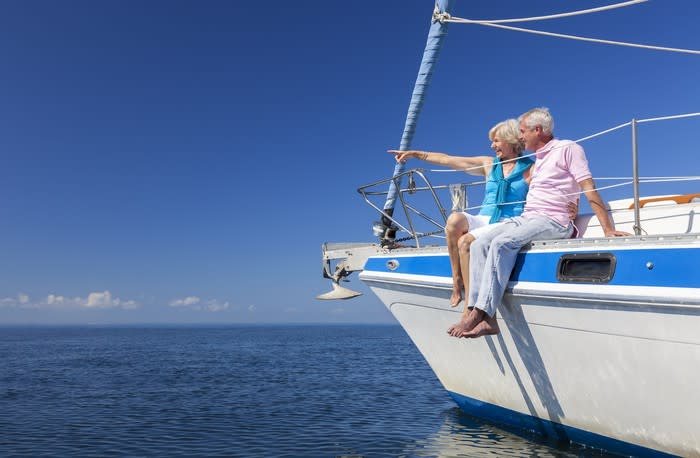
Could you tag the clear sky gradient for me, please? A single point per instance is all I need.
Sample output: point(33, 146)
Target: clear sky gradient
point(183, 161)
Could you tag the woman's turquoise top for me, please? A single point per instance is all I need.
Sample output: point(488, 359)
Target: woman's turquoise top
point(500, 190)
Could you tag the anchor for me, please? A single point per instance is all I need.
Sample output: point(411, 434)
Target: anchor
point(351, 258)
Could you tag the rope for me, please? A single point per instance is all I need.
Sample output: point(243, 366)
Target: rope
point(583, 139)
point(670, 180)
point(625, 183)
point(574, 37)
point(532, 154)
point(602, 132)
point(419, 235)
point(647, 178)
point(664, 118)
point(541, 18)
point(602, 188)
point(440, 17)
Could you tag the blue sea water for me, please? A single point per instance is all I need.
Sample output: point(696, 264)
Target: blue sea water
point(248, 391)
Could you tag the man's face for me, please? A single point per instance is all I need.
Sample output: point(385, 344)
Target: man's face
point(529, 136)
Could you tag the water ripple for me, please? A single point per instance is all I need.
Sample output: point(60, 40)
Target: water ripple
point(287, 391)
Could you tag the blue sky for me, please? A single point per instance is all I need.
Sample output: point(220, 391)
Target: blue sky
point(182, 161)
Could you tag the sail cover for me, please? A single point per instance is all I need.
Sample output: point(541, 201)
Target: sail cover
point(436, 34)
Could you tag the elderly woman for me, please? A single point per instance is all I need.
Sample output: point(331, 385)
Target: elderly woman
point(507, 179)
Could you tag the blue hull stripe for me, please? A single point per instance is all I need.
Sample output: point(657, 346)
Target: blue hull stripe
point(549, 429)
point(670, 266)
point(438, 266)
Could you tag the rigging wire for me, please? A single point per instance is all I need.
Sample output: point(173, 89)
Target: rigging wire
point(583, 139)
point(665, 118)
point(443, 17)
point(574, 37)
point(597, 188)
point(649, 179)
point(541, 18)
point(597, 134)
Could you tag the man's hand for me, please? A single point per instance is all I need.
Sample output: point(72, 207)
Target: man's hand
point(617, 234)
point(572, 208)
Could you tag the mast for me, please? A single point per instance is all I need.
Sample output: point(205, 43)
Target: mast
point(436, 34)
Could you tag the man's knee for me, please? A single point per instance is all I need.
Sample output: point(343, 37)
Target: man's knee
point(465, 242)
point(480, 245)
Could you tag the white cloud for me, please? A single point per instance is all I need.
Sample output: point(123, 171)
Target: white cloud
point(20, 300)
point(214, 305)
point(94, 300)
point(8, 302)
point(101, 300)
point(196, 303)
point(185, 301)
point(251, 308)
point(52, 299)
point(130, 305)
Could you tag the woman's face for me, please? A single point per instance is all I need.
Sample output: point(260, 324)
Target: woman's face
point(503, 149)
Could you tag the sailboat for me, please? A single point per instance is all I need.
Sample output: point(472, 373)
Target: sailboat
point(600, 337)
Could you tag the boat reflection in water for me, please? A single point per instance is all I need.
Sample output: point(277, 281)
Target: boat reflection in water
point(463, 435)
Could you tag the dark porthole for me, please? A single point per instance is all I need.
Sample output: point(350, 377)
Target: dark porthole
point(586, 268)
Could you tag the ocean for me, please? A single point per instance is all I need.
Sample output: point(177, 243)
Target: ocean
point(241, 391)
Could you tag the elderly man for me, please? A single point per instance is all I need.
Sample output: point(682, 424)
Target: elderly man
point(559, 174)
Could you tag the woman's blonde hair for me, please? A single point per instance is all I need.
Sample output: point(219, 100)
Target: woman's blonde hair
point(509, 132)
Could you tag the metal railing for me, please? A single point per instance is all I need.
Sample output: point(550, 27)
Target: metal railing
point(412, 188)
point(408, 209)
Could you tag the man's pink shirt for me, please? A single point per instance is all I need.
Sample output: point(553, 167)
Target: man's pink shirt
point(559, 167)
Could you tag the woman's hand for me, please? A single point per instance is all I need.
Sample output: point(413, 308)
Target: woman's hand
point(403, 156)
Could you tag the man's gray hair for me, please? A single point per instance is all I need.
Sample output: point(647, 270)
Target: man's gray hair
point(538, 117)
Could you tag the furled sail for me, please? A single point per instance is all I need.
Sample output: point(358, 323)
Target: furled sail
point(437, 32)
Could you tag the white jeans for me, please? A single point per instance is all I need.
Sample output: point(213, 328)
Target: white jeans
point(493, 256)
point(480, 224)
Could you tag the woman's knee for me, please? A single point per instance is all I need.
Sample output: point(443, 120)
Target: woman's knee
point(456, 223)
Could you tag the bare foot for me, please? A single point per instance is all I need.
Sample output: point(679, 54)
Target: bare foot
point(467, 323)
point(488, 326)
point(456, 296)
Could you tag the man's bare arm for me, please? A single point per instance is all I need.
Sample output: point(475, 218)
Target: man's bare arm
point(598, 207)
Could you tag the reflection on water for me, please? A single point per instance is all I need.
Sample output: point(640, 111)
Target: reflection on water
point(464, 436)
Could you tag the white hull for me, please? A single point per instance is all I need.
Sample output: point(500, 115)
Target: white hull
point(614, 366)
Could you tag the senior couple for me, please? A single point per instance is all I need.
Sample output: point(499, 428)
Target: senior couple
point(524, 201)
